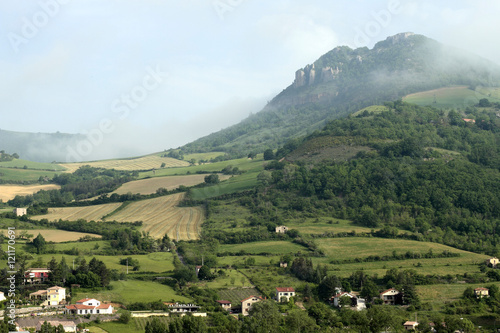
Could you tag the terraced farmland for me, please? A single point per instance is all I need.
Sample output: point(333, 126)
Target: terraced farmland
point(56, 236)
point(88, 213)
point(161, 216)
point(141, 163)
point(8, 192)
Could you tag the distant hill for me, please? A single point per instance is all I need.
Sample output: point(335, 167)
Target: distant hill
point(40, 147)
point(345, 80)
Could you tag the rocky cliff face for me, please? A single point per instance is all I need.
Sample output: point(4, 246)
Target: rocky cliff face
point(307, 76)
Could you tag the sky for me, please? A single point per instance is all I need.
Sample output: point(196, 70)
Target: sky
point(139, 77)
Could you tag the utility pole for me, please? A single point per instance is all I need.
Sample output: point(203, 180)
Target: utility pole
point(127, 265)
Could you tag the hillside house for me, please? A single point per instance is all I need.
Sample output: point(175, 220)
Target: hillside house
point(336, 299)
point(481, 292)
point(284, 294)
point(283, 264)
point(68, 325)
point(492, 262)
point(182, 308)
point(391, 296)
point(226, 305)
point(410, 325)
point(36, 275)
point(51, 297)
point(246, 304)
point(20, 211)
point(88, 306)
point(281, 229)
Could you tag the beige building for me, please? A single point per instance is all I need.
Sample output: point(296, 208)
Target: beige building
point(247, 303)
point(281, 229)
point(226, 305)
point(481, 292)
point(493, 262)
point(410, 325)
point(20, 211)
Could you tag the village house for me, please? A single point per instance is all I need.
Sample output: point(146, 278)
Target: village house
point(69, 326)
point(492, 262)
point(181, 308)
point(88, 306)
point(20, 211)
point(410, 325)
point(36, 275)
point(284, 294)
point(51, 297)
point(281, 229)
point(283, 264)
point(226, 305)
point(481, 292)
point(336, 299)
point(390, 296)
point(246, 304)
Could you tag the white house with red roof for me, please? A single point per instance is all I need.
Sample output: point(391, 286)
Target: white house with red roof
point(89, 306)
point(481, 292)
point(284, 294)
point(389, 296)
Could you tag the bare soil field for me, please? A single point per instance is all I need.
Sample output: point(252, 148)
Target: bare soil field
point(141, 163)
point(8, 192)
point(56, 236)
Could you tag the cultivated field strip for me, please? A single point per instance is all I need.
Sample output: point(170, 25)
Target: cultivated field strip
point(161, 216)
point(8, 192)
point(88, 213)
point(141, 163)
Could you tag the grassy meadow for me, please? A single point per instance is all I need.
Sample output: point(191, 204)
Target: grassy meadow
point(450, 97)
point(20, 164)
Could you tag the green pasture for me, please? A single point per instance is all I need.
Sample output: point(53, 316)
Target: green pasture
point(22, 175)
point(321, 225)
point(228, 216)
point(244, 164)
point(156, 262)
point(234, 184)
point(232, 278)
point(203, 156)
point(267, 279)
point(272, 247)
point(131, 291)
point(450, 97)
point(239, 261)
point(439, 294)
point(116, 327)
point(20, 164)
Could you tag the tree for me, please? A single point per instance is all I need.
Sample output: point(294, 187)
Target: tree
point(264, 317)
point(252, 155)
point(326, 288)
point(298, 321)
point(204, 273)
point(212, 179)
point(323, 315)
point(125, 317)
point(39, 243)
point(155, 326)
point(268, 155)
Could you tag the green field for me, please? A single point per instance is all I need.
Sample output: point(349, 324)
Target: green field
point(234, 184)
point(321, 225)
point(451, 97)
point(131, 291)
point(231, 275)
point(244, 164)
point(439, 294)
point(22, 175)
point(372, 109)
point(203, 156)
point(115, 327)
point(156, 262)
point(20, 164)
point(273, 247)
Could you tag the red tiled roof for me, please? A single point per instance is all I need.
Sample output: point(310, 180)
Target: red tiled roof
point(481, 288)
point(288, 289)
point(412, 323)
point(388, 291)
point(345, 294)
point(223, 302)
point(104, 306)
point(55, 288)
point(251, 297)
